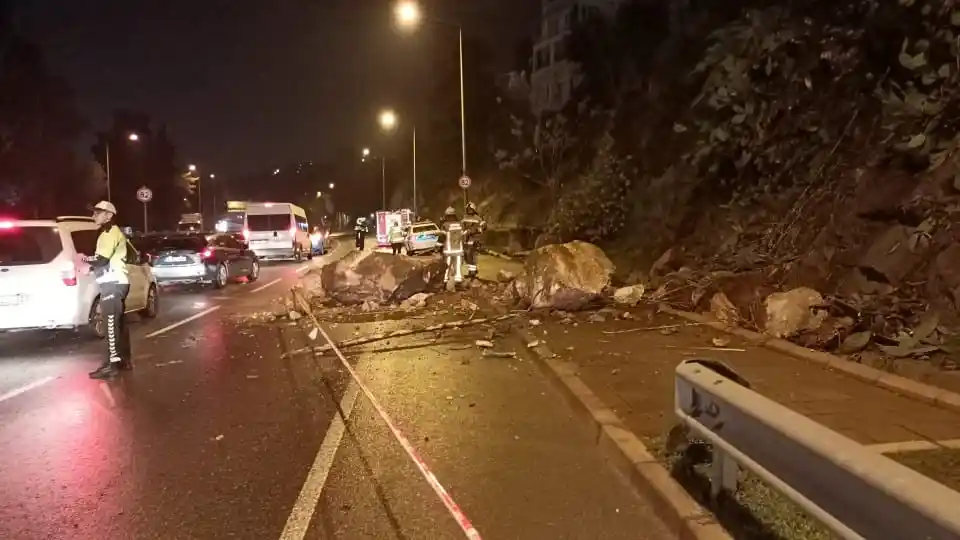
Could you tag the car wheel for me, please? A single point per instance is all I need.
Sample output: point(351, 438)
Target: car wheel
point(152, 307)
point(298, 254)
point(221, 280)
point(254, 271)
point(96, 326)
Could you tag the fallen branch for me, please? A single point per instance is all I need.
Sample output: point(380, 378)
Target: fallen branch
point(648, 328)
point(363, 340)
point(496, 254)
point(727, 349)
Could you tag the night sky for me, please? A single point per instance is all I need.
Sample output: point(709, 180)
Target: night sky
point(246, 85)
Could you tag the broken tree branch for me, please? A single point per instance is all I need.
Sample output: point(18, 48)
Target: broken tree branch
point(363, 340)
point(648, 328)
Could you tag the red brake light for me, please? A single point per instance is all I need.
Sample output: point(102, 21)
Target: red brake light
point(69, 275)
point(207, 253)
point(246, 234)
point(7, 225)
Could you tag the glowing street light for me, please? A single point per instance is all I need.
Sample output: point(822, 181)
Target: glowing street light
point(408, 14)
point(331, 185)
point(133, 137)
point(192, 168)
point(366, 152)
point(388, 119)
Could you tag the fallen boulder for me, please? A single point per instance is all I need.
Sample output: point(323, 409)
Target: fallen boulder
point(629, 295)
point(793, 312)
point(381, 278)
point(563, 276)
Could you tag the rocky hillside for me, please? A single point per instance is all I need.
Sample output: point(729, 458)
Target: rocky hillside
point(765, 146)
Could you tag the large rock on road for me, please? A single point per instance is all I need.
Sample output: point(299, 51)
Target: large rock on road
point(563, 276)
point(381, 277)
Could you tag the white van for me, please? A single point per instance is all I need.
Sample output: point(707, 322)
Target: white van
point(277, 231)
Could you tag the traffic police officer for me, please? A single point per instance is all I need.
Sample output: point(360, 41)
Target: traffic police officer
point(360, 230)
point(109, 265)
point(473, 226)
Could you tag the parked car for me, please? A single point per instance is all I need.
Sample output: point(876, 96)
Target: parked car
point(423, 237)
point(41, 286)
point(199, 259)
point(319, 240)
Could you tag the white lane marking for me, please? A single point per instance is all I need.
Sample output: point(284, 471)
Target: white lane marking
point(304, 268)
point(26, 388)
point(264, 286)
point(302, 514)
point(452, 507)
point(182, 322)
point(914, 446)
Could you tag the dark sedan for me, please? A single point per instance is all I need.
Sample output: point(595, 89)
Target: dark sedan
point(199, 259)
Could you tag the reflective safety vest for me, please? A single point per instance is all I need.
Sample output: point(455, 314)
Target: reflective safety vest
point(397, 235)
point(474, 226)
point(453, 244)
point(112, 245)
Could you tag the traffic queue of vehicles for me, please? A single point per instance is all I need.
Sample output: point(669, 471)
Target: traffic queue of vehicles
point(44, 285)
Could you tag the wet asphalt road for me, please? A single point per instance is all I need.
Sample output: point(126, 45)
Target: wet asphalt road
point(216, 434)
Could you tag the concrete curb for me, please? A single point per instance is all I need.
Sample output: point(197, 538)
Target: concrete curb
point(685, 518)
point(895, 383)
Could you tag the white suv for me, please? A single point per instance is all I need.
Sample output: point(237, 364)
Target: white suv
point(40, 287)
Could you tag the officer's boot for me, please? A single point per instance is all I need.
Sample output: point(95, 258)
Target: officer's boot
point(110, 368)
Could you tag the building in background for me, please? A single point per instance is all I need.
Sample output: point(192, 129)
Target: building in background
point(554, 76)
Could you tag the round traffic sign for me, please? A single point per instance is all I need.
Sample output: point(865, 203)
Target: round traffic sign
point(144, 194)
point(464, 182)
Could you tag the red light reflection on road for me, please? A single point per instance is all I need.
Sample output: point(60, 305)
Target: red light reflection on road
point(66, 449)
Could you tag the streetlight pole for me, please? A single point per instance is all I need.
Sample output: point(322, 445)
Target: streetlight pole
point(383, 183)
point(107, 159)
point(409, 15)
point(414, 172)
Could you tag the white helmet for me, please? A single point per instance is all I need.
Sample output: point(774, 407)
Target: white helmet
point(106, 206)
point(450, 211)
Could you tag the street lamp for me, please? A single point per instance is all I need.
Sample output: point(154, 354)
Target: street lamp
point(192, 168)
point(331, 185)
point(132, 137)
point(388, 121)
point(383, 176)
point(408, 13)
point(409, 16)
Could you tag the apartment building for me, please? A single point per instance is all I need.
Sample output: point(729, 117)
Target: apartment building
point(554, 75)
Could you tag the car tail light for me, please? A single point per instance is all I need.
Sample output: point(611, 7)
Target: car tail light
point(207, 253)
point(246, 234)
point(7, 225)
point(69, 275)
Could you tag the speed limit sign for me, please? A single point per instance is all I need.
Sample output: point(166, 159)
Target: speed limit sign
point(144, 194)
point(464, 182)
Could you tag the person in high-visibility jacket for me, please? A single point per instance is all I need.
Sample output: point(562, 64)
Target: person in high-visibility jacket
point(473, 226)
point(396, 236)
point(109, 265)
point(452, 245)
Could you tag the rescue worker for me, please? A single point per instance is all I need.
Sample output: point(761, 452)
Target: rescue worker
point(396, 237)
point(473, 228)
point(452, 245)
point(360, 230)
point(109, 265)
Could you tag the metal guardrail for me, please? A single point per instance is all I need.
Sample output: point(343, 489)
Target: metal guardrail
point(855, 492)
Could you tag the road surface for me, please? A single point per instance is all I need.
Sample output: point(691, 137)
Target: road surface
point(217, 434)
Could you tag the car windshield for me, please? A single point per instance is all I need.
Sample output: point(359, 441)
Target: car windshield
point(20, 246)
point(268, 222)
point(172, 243)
